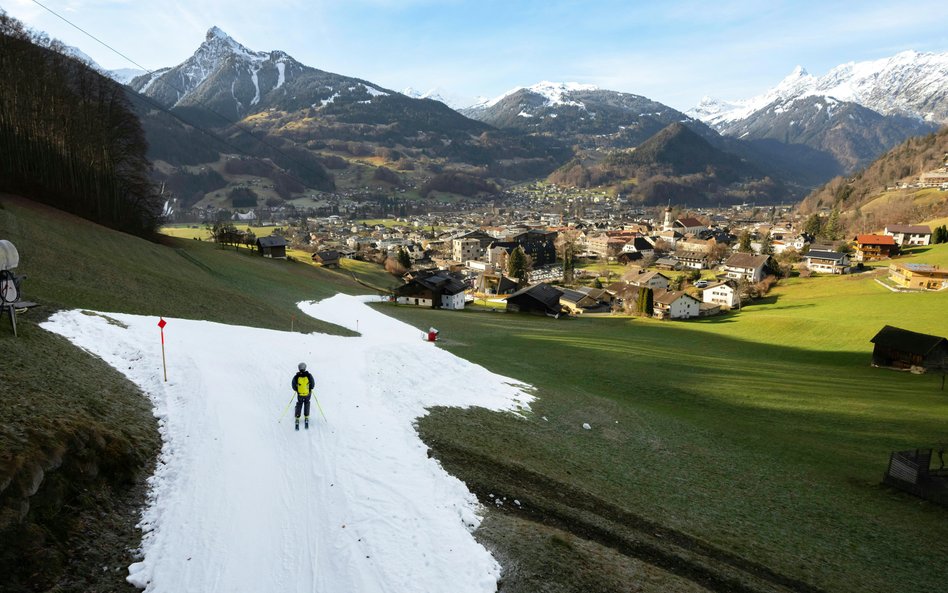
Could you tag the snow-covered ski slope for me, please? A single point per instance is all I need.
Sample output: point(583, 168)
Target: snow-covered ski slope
point(241, 502)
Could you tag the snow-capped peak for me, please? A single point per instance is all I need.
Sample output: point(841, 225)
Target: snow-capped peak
point(217, 40)
point(216, 32)
point(554, 93)
point(908, 83)
point(437, 94)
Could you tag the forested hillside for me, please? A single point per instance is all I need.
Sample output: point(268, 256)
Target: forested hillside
point(884, 191)
point(675, 164)
point(68, 136)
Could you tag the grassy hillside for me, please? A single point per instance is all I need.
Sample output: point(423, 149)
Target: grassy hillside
point(865, 194)
point(758, 438)
point(76, 438)
point(738, 453)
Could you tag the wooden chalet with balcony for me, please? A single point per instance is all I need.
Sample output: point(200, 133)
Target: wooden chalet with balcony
point(872, 247)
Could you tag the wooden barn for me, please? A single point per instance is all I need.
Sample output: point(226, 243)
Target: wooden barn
point(329, 258)
point(903, 349)
point(272, 246)
point(539, 298)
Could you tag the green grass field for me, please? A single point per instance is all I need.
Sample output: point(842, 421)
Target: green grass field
point(198, 231)
point(764, 432)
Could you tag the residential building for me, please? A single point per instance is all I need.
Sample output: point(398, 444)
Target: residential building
point(439, 290)
point(607, 245)
point(746, 266)
point(936, 178)
point(870, 247)
point(539, 245)
point(465, 249)
point(919, 276)
point(675, 304)
point(827, 262)
point(722, 293)
point(641, 277)
point(575, 301)
point(907, 234)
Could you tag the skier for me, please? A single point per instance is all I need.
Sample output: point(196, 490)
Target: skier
point(302, 385)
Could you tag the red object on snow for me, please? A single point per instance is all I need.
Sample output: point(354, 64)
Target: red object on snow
point(432, 334)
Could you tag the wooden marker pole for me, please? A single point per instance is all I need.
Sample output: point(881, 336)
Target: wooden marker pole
point(161, 324)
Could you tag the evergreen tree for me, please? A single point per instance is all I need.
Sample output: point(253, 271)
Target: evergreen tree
point(940, 235)
point(832, 229)
point(517, 266)
point(744, 242)
point(766, 245)
point(813, 225)
point(646, 302)
point(404, 259)
point(566, 249)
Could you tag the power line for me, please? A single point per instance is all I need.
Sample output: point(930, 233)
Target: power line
point(161, 107)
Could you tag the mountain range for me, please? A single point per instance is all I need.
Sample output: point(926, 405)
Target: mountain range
point(800, 133)
point(855, 112)
point(307, 120)
point(581, 114)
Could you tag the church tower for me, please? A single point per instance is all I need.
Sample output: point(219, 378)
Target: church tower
point(667, 225)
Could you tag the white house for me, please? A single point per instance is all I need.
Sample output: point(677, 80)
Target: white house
point(675, 304)
point(642, 277)
point(453, 301)
point(908, 234)
point(722, 293)
point(746, 266)
point(827, 262)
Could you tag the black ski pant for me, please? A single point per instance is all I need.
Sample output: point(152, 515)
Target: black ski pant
point(302, 403)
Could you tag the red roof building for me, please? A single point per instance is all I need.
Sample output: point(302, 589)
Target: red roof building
point(870, 247)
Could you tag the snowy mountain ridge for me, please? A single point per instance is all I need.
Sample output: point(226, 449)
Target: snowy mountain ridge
point(909, 84)
point(436, 94)
point(230, 78)
point(554, 93)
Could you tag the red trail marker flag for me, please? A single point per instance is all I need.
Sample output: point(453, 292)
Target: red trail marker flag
point(161, 325)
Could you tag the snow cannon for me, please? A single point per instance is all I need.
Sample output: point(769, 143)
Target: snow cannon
point(9, 284)
point(9, 257)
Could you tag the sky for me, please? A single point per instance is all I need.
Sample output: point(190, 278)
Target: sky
point(675, 52)
point(241, 502)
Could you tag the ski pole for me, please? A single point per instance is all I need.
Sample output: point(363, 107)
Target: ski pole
point(320, 408)
point(286, 408)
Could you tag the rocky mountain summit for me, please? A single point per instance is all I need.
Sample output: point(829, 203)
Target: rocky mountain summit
point(856, 111)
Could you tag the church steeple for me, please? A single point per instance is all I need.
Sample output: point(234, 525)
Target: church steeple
point(667, 225)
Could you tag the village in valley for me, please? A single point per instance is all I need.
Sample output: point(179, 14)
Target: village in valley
point(566, 252)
